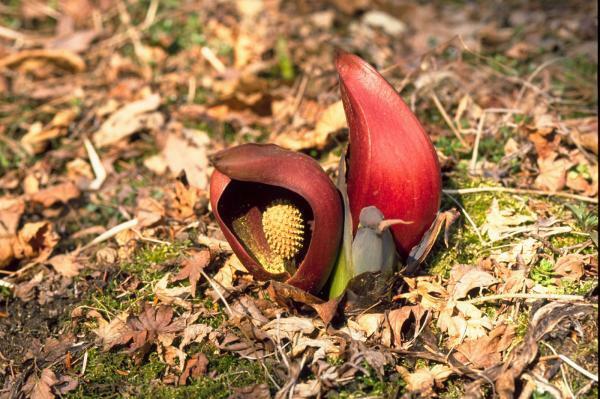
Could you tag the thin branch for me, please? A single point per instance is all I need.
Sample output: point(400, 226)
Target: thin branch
point(446, 117)
point(570, 362)
point(557, 297)
point(213, 60)
point(112, 232)
point(97, 166)
point(469, 219)
point(480, 125)
point(218, 291)
point(474, 190)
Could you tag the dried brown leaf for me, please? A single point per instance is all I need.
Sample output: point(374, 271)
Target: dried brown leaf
point(470, 280)
point(196, 366)
point(63, 192)
point(128, 120)
point(65, 384)
point(420, 251)
point(256, 391)
point(192, 266)
point(182, 200)
point(146, 329)
point(174, 295)
point(398, 319)
point(194, 333)
point(63, 58)
point(330, 121)
point(570, 266)
point(40, 387)
point(149, 211)
point(553, 173)
point(543, 322)
point(462, 320)
point(499, 223)
point(35, 240)
point(423, 380)
point(66, 264)
point(11, 210)
point(486, 351)
point(287, 295)
point(76, 42)
point(110, 333)
point(426, 292)
point(289, 327)
point(188, 153)
point(25, 291)
point(370, 323)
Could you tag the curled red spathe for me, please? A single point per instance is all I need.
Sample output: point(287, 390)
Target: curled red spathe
point(392, 162)
point(275, 166)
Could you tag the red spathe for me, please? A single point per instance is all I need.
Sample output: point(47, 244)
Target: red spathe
point(392, 162)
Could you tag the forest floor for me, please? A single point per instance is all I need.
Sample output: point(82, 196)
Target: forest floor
point(115, 280)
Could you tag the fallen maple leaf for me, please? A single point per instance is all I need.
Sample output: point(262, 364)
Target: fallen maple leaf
point(110, 333)
point(553, 173)
point(67, 264)
point(501, 223)
point(40, 387)
point(192, 266)
point(147, 328)
point(182, 201)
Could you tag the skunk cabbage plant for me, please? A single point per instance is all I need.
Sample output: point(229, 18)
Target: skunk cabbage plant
point(284, 217)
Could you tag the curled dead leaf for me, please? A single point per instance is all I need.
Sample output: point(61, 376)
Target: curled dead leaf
point(63, 193)
point(423, 380)
point(196, 366)
point(63, 58)
point(471, 280)
point(569, 266)
point(486, 351)
point(35, 240)
point(128, 120)
point(66, 264)
point(40, 387)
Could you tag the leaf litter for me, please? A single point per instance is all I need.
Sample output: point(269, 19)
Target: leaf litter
point(106, 231)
